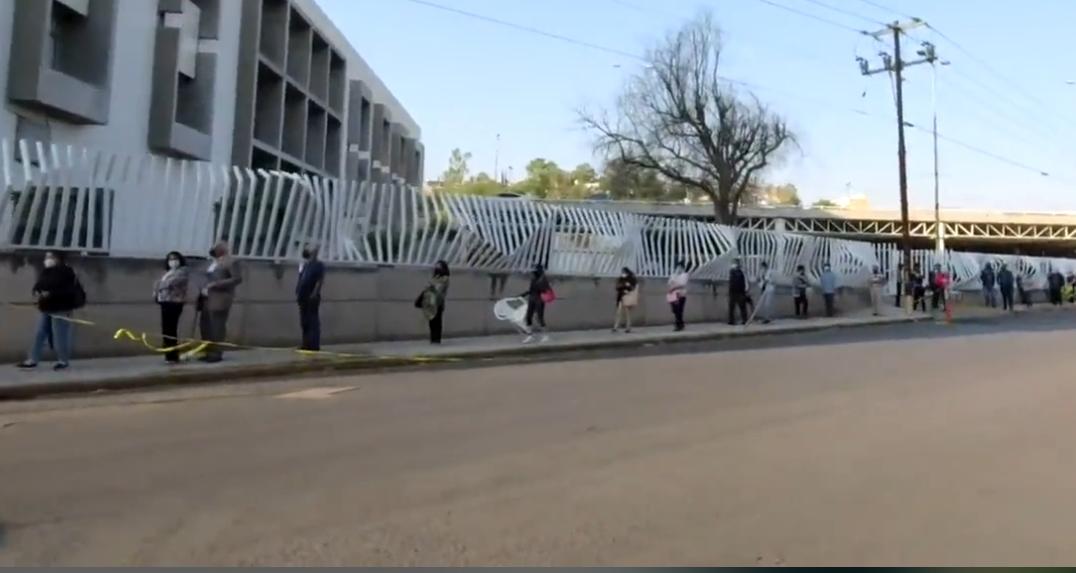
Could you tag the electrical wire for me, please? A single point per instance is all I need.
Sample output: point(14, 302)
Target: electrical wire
point(845, 12)
point(814, 17)
point(887, 9)
point(528, 29)
point(759, 87)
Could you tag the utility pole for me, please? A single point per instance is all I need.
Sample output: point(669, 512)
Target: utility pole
point(929, 53)
point(895, 65)
point(497, 160)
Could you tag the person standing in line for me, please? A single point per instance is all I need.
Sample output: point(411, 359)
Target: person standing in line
point(627, 298)
point(222, 278)
point(308, 295)
point(878, 281)
point(765, 293)
point(919, 292)
point(433, 301)
point(1021, 290)
point(537, 294)
point(989, 280)
point(800, 284)
point(940, 284)
point(170, 293)
point(1006, 282)
point(737, 293)
point(58, 294)
point(676, 293)
point(829, 289)
point(900, 284)
point(1055, 281)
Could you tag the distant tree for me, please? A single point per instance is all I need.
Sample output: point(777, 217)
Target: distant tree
point(544, 179)
point(583, 174)
point(457, 171)
point(680, 118)
point(823, 204)
point(774, 196)
point(626, 181)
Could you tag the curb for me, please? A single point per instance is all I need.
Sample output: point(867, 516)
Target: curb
point(241, 373)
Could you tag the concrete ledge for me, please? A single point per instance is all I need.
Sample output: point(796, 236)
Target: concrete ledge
point(148, 372)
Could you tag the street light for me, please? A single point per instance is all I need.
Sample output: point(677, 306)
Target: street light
point(929, 54)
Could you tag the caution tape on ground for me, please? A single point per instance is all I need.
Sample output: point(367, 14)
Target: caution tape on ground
point(194, 346)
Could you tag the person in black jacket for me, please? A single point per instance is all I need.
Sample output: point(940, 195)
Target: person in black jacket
point(58, 294)
point(308, 295)
point(539, 287)
point(737, 293)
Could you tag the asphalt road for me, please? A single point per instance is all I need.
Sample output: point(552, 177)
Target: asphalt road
point(911, 445)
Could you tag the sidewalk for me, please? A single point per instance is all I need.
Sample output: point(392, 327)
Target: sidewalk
point(148, 371)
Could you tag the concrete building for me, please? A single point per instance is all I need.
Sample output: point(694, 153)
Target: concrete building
point(254, 83)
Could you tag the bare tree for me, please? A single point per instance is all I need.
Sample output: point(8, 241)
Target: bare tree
point(680, 118)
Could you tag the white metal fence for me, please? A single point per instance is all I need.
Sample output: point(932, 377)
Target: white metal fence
point(59, 197)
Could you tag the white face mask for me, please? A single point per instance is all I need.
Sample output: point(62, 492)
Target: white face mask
point(173, 264)
point(49, 263)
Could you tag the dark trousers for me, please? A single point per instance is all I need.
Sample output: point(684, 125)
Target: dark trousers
point(678, 311)
point(214, 325)
point(737, 301)
point(170, 313)
point(1055, 296)
point(310, 322)
point(900, 291)
point(1025, 297)
point(536, 310)
point(437, 324)
point(801, 305)
point(919, 298)
point(1006, 299)
point(935, 299)
point(831, 303)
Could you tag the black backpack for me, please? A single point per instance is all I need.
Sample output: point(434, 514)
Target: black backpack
point(79, 300)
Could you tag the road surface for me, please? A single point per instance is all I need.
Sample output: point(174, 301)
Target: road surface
point(904, 445)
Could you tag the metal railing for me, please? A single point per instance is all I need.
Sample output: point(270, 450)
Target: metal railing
point(59, 197)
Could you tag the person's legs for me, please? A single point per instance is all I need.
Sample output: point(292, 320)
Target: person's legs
point(678, 312)
point(218, 331)
point(627, 318)
point(170, 313)
point(830, 310)
point(616, 316)
point(437, 326)
point(896, 301)
point(62, 332)
point(41, 338)
point(876, 300)
point(742, 303)
point(732, 309)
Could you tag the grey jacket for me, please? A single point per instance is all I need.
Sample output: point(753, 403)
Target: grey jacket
point(222, 277)
point(829, 282)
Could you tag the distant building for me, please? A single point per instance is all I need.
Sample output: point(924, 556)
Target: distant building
point(255, 83)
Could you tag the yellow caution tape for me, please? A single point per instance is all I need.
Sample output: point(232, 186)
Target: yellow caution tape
point(194, 346)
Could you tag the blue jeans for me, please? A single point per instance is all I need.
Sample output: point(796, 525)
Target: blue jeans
point(61, 337)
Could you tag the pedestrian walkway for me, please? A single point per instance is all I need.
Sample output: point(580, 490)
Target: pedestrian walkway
point(150, 370)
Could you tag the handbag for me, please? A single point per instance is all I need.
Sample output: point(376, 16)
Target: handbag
point(630, 298)
point(548, 295)
point(672, 296)
point(420, 299)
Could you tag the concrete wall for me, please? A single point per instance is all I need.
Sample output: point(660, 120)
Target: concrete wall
point(360, 304)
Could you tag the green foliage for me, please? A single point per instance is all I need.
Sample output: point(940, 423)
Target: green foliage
point(823, 204)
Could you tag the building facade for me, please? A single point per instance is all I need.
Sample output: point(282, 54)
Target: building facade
point(264, 84)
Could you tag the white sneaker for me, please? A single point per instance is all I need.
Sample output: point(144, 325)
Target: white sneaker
point(529, 339)
point(545, 338)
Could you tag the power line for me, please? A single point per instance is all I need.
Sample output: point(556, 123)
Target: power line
point(795, 95)
point(886, 8)
point(530, 30)
point(815, 17)
point(845, 12)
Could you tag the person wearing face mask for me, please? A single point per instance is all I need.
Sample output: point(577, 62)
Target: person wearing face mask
point(170, 293)
point(308, 295)
point(737, 293)
point(58, 294)
point(829, 289)
point(432, 301)
point(627, 298)
point(218, 294)
point(676, 293)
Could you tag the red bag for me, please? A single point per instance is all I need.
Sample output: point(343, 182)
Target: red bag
point(548, 295)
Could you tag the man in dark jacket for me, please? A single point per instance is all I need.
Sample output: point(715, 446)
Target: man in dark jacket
point(737, 293)
point(1006, 283)
point(58, 293)
point(1056, 281)
point(308, 295)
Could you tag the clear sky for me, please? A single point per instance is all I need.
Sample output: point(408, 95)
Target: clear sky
point(465, 81)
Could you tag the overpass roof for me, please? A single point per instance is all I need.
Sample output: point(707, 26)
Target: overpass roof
point(969, 216)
